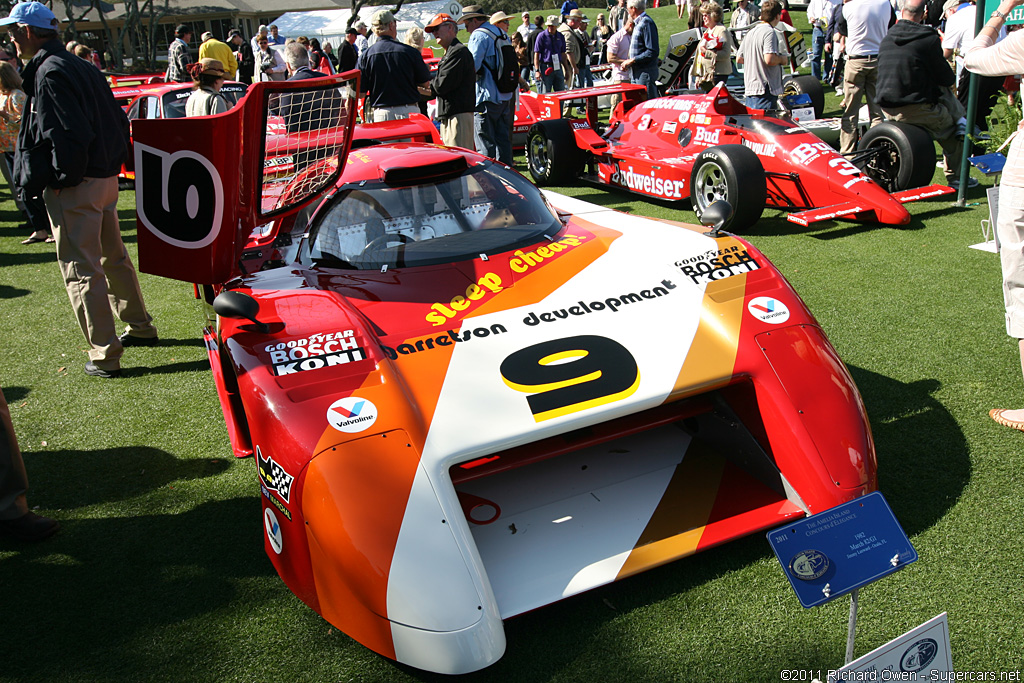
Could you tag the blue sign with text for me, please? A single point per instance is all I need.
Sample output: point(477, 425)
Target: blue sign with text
point(841, 549)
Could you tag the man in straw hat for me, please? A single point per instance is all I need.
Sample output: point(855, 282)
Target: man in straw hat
point(71, 110)
point(493, 119)
point(454, 85)
point(392, 72)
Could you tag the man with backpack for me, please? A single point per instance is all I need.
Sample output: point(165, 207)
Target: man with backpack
point(497, 76)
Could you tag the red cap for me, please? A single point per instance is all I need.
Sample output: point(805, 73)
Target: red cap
point(437, 21)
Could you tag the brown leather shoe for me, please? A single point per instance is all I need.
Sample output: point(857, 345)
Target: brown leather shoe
point(29, 527)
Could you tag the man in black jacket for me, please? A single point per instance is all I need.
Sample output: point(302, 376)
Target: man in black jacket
point(914, 83)
point(73, 140)
point(243, 55)
point(454, 85)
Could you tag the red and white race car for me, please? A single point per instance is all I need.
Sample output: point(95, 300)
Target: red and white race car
point(464, 400)
point(708, 147)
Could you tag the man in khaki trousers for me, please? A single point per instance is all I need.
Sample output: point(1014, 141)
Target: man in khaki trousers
point(70, 148)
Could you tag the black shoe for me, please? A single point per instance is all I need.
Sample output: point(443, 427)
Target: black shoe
point(29, 527)
point(128, 339)
point(96, 371)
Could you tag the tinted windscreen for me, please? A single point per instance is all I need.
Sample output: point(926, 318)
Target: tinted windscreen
point(485, 210)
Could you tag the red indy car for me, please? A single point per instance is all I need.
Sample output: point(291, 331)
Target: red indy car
point(464, 400)
point(708, 147)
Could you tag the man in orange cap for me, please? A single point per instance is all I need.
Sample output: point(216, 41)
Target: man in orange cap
point(454, 85)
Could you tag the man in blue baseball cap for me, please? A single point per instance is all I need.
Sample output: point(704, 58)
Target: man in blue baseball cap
point(72, 143)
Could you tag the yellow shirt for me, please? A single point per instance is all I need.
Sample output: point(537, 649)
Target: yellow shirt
point(214, 49)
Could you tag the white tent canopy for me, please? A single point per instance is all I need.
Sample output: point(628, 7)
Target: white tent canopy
point(330, 25)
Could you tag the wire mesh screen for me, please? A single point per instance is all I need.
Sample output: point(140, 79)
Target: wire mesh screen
point(305, 133)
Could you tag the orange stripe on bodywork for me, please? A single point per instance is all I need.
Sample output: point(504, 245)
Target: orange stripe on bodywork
point(353, 501)
point(556, 271)
point(712, 355)
point(677, 524)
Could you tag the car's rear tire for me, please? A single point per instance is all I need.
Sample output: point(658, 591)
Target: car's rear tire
point(811, 86)
point(904, 158)
point(735, 174)
point(552, 154)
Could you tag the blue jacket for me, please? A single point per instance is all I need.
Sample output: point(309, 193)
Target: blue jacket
point(485, 59)
point(644, 47)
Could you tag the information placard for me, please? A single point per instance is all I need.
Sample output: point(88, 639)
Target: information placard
point(912, 656)
point(841, 549)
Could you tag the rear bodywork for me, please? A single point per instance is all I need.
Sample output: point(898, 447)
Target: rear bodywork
point(445, 446)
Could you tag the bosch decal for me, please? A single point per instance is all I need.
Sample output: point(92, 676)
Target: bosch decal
point(273, 476)
point(717, 264)
point(315, 352)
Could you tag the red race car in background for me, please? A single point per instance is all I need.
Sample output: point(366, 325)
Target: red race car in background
point(708, 147)
point(465, 401)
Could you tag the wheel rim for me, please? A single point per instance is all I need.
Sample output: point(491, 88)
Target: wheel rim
point(884, 165)
point(540, 158)
point(709, 186)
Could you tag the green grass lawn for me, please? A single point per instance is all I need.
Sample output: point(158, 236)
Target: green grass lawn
point(159, 572)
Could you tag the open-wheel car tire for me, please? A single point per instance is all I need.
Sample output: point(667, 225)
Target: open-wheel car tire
point(810, 86)
point(904, 155)
point(552, 154)
point(735, 174)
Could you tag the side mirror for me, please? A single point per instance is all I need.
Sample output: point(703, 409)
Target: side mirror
point(237, 305)
point(716, 216)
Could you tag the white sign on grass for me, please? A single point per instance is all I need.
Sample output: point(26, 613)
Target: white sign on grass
point(918, 652)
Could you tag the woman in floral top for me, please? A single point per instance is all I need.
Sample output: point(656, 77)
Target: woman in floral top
point(12, 102)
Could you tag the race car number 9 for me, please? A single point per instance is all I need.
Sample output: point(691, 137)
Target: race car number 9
point(564, 376)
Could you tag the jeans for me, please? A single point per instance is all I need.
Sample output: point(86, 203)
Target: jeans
point(648, 78)
point(493, 128)
point(761, 102)
point(817, 52)
point(553, 83)
point(585, 79)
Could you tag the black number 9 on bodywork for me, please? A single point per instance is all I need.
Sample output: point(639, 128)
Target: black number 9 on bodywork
point(571, 374)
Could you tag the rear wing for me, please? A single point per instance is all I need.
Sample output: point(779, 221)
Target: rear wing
point(553, 105)
point(204, 185)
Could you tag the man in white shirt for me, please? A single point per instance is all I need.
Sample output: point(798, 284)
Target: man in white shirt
point(618, 52)
point(818, 14)
point(861, 28)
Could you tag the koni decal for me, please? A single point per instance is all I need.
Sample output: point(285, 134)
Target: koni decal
point(717, 264)
point(315, 352)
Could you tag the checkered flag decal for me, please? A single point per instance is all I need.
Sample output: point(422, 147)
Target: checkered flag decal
point(273, 476)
